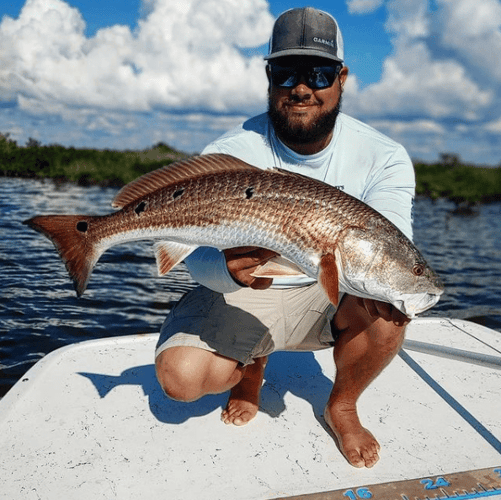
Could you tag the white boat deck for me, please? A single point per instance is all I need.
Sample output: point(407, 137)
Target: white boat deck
point(90, 421)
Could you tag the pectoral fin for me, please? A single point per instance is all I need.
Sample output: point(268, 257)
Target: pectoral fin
point(277, 267)
point(328, 278)
point(169, 254)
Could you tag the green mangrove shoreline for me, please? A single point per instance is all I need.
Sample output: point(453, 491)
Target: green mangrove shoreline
point(461, 183)
point(464, 184)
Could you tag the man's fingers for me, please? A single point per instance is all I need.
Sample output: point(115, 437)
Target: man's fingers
point(384, 310)
point(377, 309)
point(243, 261)
point(399, 318)
point(369, 306)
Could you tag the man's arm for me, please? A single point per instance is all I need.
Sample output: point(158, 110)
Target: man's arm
point(229, 270)
point(243, 261)
point(391, 191)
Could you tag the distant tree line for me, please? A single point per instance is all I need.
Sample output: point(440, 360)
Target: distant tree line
point(448, 178)
point(83, 166)
point(465, 184)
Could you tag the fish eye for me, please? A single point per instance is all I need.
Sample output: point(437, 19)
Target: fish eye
point(418, 269)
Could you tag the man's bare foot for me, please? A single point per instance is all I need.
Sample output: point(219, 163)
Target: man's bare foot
point(243, 403)
point(355, 442)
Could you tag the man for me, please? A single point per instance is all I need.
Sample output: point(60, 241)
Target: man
point(218, 337)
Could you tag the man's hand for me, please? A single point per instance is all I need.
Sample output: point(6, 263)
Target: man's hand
point(383, 310)
point(243, 261)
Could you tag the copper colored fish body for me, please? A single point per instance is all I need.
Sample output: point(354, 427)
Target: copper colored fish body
point(220, 201)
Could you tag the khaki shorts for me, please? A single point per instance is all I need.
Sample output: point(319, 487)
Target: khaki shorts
point(250, 323)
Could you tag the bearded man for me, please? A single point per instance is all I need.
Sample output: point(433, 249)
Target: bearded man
point(219, 336)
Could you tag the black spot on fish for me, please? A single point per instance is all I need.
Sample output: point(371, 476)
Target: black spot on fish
point(140, 208)
point(178, 193)
point(249, 193)
point(82, 226)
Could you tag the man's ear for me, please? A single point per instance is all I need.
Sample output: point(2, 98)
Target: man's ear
point(343, 75)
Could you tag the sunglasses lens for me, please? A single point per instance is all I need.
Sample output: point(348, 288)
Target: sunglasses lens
point(284, 77)
point(318, 77)
point(321, 78)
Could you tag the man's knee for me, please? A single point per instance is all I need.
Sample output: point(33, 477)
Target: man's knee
point(353, 318)
point(388, 336)
point(178, 376)
point(188, 373)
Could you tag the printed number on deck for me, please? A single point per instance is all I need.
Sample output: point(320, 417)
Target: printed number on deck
point(429, 484)
point(360, 493)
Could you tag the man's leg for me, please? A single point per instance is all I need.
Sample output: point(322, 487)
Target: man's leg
point(365, 345)
point(188, 373)
point(243, 403)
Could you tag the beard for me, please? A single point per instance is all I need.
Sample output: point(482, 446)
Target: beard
point(293, 131)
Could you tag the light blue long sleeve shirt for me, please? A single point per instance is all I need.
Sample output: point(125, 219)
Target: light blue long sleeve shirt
point(359, 160)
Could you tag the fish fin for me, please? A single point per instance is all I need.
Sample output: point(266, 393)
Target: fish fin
point(178, 172)
point(276, 268)
point(75, 244)
point(169, 254)
point(329, 278)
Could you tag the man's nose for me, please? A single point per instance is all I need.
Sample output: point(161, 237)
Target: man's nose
point(302, 90)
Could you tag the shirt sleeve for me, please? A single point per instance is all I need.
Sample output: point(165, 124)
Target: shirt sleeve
point(207, 266)
point(391, 191)
point(211, 148)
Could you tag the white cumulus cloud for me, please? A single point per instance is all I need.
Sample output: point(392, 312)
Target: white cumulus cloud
point(183, 55)
point(363, 6)
point(472, 30)
point(185, 74)
point(443, 70)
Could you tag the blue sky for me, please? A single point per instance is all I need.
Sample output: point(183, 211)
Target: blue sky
point(126, 74)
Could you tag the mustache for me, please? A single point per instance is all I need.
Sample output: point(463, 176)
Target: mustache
point(294, 99)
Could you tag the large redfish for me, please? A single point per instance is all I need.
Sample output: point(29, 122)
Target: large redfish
point(220, 201)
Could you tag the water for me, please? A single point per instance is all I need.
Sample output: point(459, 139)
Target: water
point(40, 312)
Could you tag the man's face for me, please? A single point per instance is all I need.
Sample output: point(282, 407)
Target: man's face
point(302, 115)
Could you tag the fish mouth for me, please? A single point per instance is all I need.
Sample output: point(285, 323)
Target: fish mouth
point(412, 304)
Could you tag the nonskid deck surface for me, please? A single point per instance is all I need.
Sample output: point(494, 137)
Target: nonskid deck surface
point(90, 421)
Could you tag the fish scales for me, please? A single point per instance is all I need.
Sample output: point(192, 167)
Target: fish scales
point(210, 200)
point(217, 200)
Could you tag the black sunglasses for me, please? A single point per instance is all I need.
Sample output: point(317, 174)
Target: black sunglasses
point(316, 77)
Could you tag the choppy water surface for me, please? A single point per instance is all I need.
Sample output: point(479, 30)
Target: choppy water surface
point(40, 312)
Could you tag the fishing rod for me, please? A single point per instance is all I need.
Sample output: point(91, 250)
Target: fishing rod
point(442, 351)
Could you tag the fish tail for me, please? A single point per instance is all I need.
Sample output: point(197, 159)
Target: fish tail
point(72, 237)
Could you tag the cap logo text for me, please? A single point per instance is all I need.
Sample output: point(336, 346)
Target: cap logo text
point(330, 43)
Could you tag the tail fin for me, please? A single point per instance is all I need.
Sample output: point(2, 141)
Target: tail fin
point(73, 240)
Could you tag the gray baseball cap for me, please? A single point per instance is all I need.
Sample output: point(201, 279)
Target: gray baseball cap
point(306, 32)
